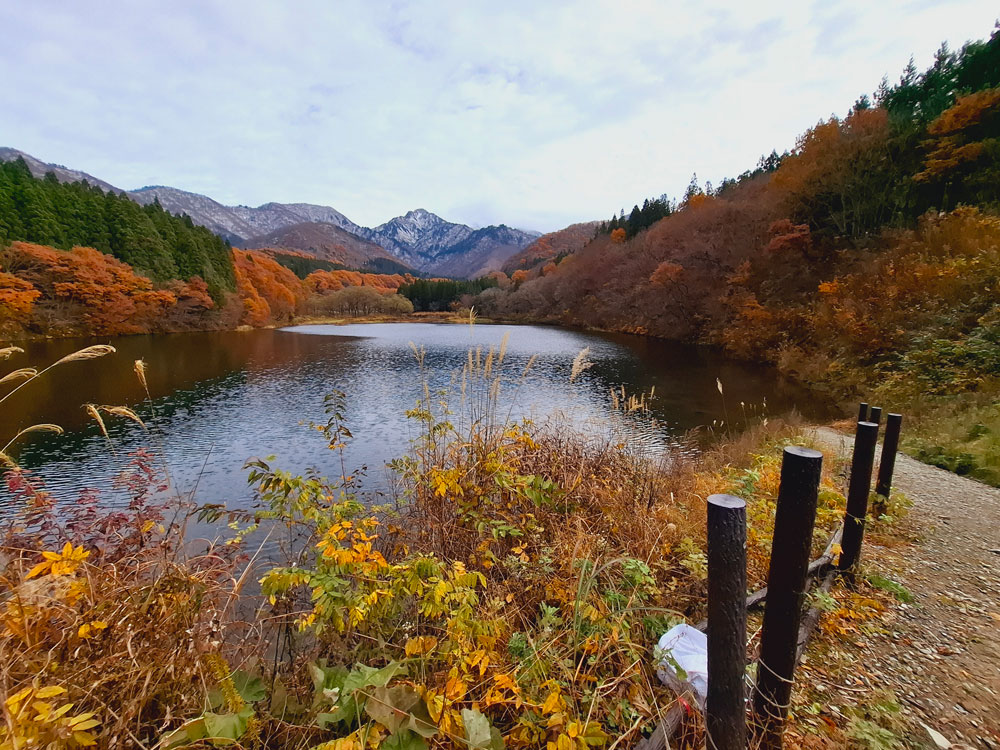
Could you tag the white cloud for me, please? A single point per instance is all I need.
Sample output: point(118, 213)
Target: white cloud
point(533, 114)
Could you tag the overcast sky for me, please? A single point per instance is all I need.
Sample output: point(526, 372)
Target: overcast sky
point(534, 114)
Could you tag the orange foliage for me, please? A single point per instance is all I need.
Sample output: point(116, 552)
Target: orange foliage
point(956, 144)
point(269, 291)
point(696, 200)
point(618, 236)
point(789, 237)
point(666, 273)
point(519, 276)
point(966, 112)
point(321, 282)
point(548, 268)
point(110, 297)
point(924, 276)
point(838, 172)
point(16, 297)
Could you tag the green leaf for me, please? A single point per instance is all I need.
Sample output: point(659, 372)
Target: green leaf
point(403, 740)
point(227, 726)
point(250, 688)
point(185, 734)
point(381, 677)
point(400, 707)
point(326, 720)
point(282, 705)
point(477, 729)
point(326, 678)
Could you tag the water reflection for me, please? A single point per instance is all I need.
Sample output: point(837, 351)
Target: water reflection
point(219, 398)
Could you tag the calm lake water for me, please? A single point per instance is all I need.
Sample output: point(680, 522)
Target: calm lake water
point(220, 398)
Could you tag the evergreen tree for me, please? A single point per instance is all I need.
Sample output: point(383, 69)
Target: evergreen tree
point(154, 242)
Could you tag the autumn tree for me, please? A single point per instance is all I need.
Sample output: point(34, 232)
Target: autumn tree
point(17, 297)
point(963, 152)
point(86, 291)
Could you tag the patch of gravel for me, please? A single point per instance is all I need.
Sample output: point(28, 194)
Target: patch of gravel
point(942, 655)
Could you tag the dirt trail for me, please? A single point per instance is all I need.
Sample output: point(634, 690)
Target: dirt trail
point(942, 656)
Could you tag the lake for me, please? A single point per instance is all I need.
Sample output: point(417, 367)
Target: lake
point(219, 398)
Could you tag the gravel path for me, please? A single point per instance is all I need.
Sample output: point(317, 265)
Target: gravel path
point(942, 656)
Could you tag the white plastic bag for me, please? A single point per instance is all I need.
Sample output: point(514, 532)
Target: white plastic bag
point(685, 647)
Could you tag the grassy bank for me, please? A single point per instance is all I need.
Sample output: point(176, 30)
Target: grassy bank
point(509, 594)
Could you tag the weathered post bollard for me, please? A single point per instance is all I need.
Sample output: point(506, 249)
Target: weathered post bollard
point(857, 496)
point(786, 583)
point(863, 412)
point(886, 466)
point(890, 445)
point(875, 416)
point(725, 707)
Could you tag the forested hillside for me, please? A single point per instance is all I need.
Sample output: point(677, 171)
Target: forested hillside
point(75, 260)
point(869, 253)
point(152, 241)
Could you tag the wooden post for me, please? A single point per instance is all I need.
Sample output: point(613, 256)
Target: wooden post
point(786, 581)
point(725, 709)
point(857, 496)
point(863, 412)
point(875, 416)
point(890, 445)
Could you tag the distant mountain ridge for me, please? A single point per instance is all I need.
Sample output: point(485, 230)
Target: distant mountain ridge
point(39, 168)
point(419, 239)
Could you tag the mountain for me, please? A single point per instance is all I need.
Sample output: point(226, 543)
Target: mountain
point(430, 243)
point(482, 251)
point(420, 239)
point(39, 169)
point(552, 245)
point(328, 242)
point(223, 220)
point(274, 216)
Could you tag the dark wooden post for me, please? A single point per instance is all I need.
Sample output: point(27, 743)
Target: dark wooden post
point(890, 445)
point(786, 583)
point(863, 412)
point(857, 496)
point(875, 416)
point(727, 622)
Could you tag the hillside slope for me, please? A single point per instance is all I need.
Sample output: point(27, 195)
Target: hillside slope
point(552, 245)
point(327, 242)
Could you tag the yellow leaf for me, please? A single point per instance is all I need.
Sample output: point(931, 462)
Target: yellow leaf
point(84, 739)
point(17, 698)
point(552, 703)
point(49, 692)
point(420, 645)
point(454, 689)
point(38, 569)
